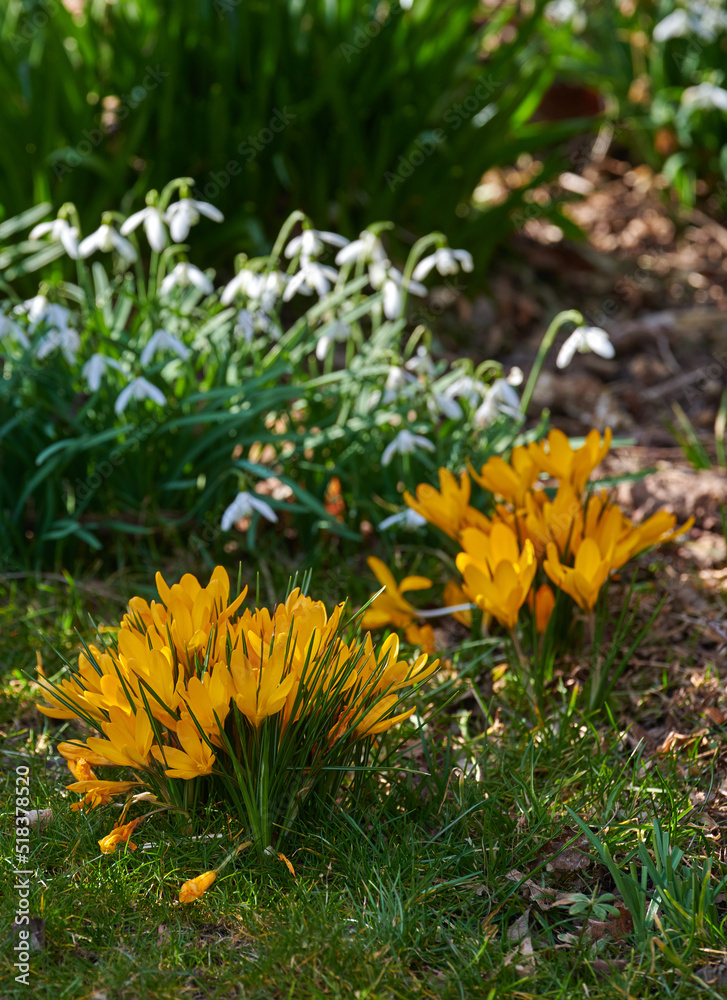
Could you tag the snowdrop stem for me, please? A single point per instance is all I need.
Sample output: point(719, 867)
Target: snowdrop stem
point(438, 612)
point(153, 274)
point(415, 255)
point(568, 316)
point(293, 219)
point(142, 289)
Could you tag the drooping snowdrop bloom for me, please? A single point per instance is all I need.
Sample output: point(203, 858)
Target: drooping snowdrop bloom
point(154, 228)
point(139, 389)
point(367, 248)
point(185, 213)
point(398, 383)
point(336, 332)
point(467, 387)
point(161, 340)
point(421, 363)
point(705, 96)
point(439, 404)
point(245, 326)
point(311, 276)
point(404, 444)
point(67, 339)
point(245, 282)
point(244, 505)
point(9, 329)
point(391, 283)
point(95, 368)
point(446, 261)
point(272, 286)
point(515, 376)
point(105, 240)
point(310, 243)
point(584, 339)
point(500, 400)
point(39, 310)
point(702, 18)
point(60, 231)
point(408, 519)
point(185, 273)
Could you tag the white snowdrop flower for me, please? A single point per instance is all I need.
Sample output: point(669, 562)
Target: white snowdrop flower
point(704, 19)
point(584, 339)
point(60, 231)
point(421, 363)
point(154, 228)
point(139, 389)
point(404, 444)
point(245, 326)
point(439, 404)
point(10, 329)
point(705, 96)
point(185, 213)
point(392, 284)
point(244, 505)
point(467, 387)
point(515, 376)
point(566, 12)
point(310, 243)
point(185, 273)
point(368, 247)
point(39, 310)
point(67, 339)
point(161, 340)
point(311, 276)
point(95, 368)
point(336, 332)
point(674, 25)
point(406, 518)
point(500, 400)
point(272, 286)
point(106, 239)
point(406, 5)
point(446, 262)
point(246, 282)
point(398, 382)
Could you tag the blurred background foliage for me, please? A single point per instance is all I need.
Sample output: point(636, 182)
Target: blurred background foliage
point(351, 110)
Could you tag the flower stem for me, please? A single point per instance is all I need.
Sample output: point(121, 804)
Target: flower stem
point(568, 316)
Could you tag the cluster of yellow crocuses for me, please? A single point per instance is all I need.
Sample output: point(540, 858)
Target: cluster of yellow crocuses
point(190, 687)
point(570, 535)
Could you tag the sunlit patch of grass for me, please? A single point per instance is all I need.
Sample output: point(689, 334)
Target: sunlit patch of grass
point(439, 881)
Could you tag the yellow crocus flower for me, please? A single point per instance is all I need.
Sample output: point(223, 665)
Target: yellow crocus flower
point(391, 608)
point(511, 481)
point(557, 459)
point(584, 580)
point(119, 835)
point(447, 508)
point(193, 760)
point(129, 739)
point(196, 887)
point(497, 574)
point(260, 692)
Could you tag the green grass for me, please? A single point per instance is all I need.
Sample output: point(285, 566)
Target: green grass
point(419, 889)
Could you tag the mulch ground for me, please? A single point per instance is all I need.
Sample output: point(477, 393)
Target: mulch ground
point(654, 275)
